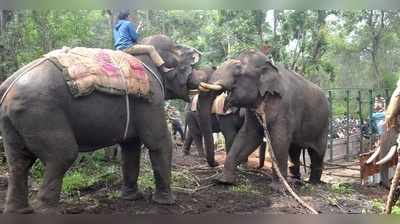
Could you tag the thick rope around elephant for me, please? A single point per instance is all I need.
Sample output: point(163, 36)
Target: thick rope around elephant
point(278, 172)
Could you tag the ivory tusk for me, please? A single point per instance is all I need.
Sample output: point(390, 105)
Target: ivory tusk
point(389, 156)
point(374, 156)
point(201, 88)
point(193, 91)
point(211, 86)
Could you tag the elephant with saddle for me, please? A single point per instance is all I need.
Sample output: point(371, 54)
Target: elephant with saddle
point(294, 111)
point(40, 119)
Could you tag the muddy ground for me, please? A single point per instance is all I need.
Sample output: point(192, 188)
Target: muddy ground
point(255, 193)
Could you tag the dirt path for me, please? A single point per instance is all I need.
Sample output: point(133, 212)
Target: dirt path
point(254, 193)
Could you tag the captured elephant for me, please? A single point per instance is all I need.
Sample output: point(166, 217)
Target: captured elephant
point(390, 147)
point(40, 119)
point(294, 110)
point(227, 123)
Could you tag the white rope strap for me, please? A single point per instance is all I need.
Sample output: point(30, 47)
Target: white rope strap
point(128, 114)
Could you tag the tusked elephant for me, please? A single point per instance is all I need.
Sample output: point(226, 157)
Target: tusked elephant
point(40, 119)
point(294, 110)
point(389, 148)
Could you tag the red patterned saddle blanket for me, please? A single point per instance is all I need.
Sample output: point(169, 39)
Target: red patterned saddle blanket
point(89, 69)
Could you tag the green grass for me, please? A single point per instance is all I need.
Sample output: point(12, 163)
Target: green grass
point(379, 206)
point(341, 188)
point(93, 170)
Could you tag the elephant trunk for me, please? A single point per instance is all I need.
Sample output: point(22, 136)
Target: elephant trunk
point(205, 104)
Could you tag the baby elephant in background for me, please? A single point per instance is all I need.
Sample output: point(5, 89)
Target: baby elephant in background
point(294, 110)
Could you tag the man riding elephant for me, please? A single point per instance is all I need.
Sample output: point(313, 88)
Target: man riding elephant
point(126, 37)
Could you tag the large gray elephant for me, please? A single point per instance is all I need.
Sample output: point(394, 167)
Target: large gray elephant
point(40, 119)
point(295, 112)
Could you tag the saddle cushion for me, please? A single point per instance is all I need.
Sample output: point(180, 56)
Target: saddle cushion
point(89, 69)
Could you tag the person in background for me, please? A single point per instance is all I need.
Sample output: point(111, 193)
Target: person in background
point(126, 36)
point(378, 117)
point(174, 118)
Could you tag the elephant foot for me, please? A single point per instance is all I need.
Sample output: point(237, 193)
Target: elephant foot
point(212, 163)
point(131, 195)
point(164, 198)
point(26, 210)
point(294, 172)
point(47, 209)
point(316, 182)
point(226, 180)
point(315, 177)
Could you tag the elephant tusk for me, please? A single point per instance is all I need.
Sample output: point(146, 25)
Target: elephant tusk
point(215, 87)
point(202, 89)
point(193, 91)
point(374, 156)
point(389, 156)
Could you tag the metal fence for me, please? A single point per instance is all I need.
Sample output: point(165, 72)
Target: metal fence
point(352, 104)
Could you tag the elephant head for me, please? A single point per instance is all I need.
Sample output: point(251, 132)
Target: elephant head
point(390, 145)
point(181, 58)
point(248, 78)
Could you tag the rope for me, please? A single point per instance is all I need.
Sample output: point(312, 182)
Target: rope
point(155, 76)
point(127, 103)
point(23, 71)
point(278, 172)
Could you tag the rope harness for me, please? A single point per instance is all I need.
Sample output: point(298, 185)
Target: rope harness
point(276, 167)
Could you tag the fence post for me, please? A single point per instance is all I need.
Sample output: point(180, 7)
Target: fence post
point(387, 98)
point(347, 123)
point(359, 99)
point(371, 105)
point(330, 99)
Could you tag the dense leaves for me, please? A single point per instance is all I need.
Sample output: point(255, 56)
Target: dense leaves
point(331, 48)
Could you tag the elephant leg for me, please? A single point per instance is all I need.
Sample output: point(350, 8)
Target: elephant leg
point(58, 158)
point(248, 138)
point(294, 155)
point(188, 142)
point(19, 163)
point(228, 129)
point(159, 144)
point(130, 158)
point(316, 166)
point(51, 139)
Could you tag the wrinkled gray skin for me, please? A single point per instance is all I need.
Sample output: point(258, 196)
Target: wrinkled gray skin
point(296, 113)
point(388, 140)
point(228, 124)
point(39, 119)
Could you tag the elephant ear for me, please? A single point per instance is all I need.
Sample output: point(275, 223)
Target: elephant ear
point(270, 81)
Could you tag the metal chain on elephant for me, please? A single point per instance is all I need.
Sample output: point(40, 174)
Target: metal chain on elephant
point(276, 167)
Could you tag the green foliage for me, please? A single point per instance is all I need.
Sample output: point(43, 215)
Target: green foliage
point(341, 188)
point(379, 206)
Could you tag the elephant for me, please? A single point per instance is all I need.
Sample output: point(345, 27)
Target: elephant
point(229, 124)
point(389, 147)
point(40, 119)
point(293, 110)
